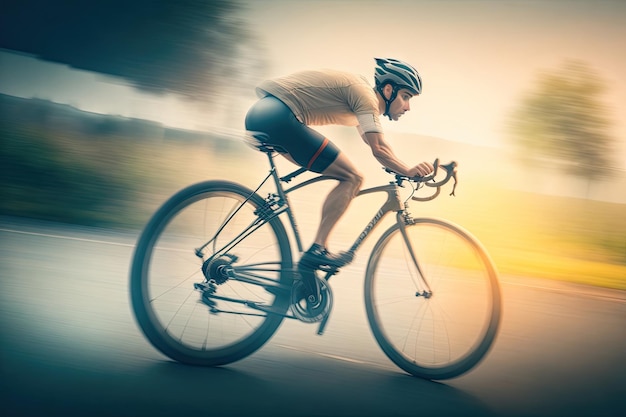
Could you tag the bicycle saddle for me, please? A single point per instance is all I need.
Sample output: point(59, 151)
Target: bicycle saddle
point(261, 141)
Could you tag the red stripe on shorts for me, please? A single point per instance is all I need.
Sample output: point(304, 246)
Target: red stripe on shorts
point(319, 151)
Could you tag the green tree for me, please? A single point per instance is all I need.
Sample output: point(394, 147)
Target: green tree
point(563, 122)
point(193, 48)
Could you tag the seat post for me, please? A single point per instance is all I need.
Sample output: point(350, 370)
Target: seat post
point(274, 172)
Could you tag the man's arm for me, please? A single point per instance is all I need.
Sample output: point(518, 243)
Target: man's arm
point(384, 154)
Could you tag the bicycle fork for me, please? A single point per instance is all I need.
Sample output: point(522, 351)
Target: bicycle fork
point(424, 289)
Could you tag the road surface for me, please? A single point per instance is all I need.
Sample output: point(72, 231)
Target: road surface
point(70, 346)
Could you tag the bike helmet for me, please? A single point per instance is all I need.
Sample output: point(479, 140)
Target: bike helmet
point(400, 75)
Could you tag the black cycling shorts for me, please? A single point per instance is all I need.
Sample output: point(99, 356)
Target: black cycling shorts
point(308, 148)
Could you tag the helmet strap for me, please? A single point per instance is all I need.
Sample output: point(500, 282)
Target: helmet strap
point(394, 94)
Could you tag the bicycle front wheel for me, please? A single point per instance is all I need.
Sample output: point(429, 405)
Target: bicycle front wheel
point(254, 271)
point(434, 314)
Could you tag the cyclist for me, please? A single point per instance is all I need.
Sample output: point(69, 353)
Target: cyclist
point(290, 104)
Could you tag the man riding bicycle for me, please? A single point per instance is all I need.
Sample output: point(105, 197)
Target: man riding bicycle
point(290, 104)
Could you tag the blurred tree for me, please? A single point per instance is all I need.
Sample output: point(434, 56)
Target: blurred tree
point(563, 122)
point(188, 47)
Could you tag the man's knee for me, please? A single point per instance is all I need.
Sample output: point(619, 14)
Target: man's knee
point(343, 170)
point(355, 179)
point(350, 175)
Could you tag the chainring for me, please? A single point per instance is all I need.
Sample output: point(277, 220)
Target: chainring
point(307, 311)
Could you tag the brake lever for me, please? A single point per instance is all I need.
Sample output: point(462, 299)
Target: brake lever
point(452, 171)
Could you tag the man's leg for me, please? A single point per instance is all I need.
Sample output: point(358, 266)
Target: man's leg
point(339, 198)
point(334, 207)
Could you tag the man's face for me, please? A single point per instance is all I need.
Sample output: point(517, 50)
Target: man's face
point(401, 104)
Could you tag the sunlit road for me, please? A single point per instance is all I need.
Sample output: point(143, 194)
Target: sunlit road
point(70, 346)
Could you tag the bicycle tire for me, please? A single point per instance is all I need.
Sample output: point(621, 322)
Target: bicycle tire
point(449, 333)
point(165, 267)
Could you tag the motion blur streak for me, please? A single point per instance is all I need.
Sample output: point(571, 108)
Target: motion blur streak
point(109, 107)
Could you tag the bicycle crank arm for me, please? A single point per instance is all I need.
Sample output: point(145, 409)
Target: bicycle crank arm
point(320, 330)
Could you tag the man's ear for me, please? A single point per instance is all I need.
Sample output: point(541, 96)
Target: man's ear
point(387, 91)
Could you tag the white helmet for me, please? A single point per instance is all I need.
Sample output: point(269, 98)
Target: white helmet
point(400, 75)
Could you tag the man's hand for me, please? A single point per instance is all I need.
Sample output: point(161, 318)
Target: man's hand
point(423, 169)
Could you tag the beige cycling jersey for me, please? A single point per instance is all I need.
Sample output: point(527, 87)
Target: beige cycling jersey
point(327, 97)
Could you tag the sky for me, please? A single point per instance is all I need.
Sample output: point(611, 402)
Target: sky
point(477, 59)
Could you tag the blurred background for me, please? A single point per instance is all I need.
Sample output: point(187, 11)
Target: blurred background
point(109, 107)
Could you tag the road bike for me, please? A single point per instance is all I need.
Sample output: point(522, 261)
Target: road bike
point(214, 274)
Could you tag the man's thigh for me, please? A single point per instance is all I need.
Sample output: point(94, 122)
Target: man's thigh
point(341, 168)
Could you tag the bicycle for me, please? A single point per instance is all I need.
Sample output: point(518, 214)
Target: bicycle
point(431, 290)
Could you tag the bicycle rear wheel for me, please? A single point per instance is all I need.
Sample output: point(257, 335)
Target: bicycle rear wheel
point(165, 269)
point(443, 334)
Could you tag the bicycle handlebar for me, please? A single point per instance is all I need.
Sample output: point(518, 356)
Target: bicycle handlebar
point(429, 180)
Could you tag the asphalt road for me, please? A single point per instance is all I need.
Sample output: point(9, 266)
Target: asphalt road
point(70, 346)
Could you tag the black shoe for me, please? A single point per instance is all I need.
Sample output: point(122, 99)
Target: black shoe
point(318, 256)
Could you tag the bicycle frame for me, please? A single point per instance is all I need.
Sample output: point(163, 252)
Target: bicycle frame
point(278, 203)
point(393, 202)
